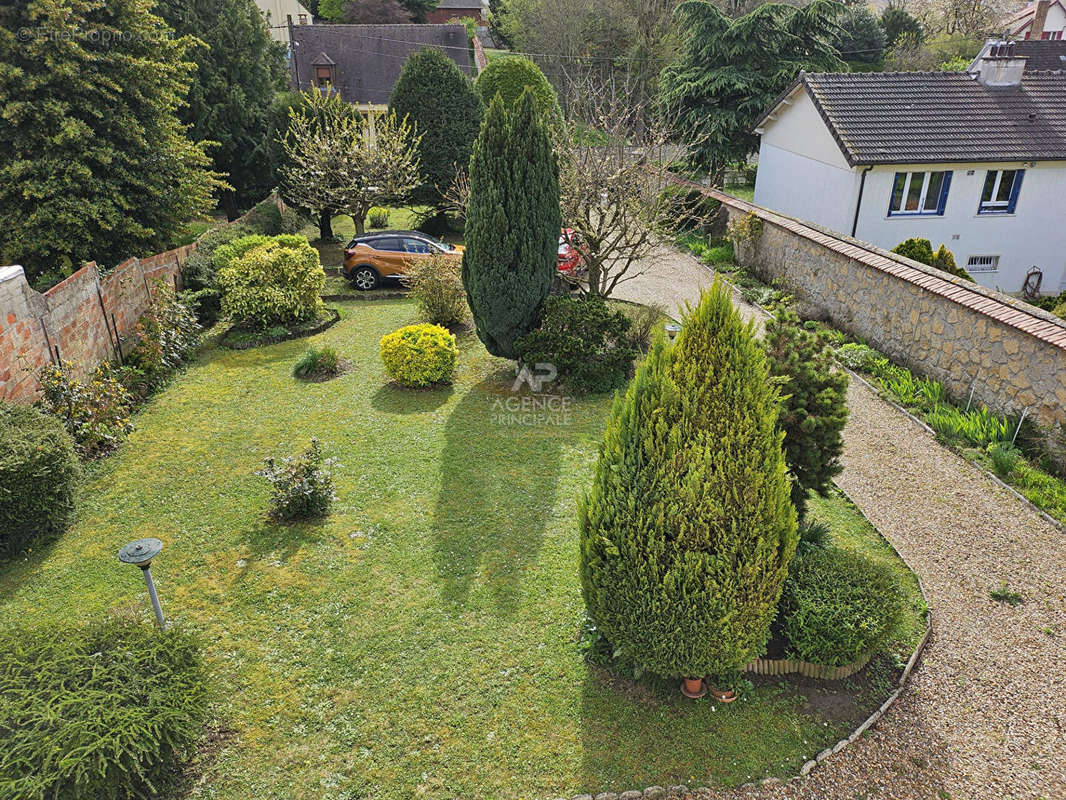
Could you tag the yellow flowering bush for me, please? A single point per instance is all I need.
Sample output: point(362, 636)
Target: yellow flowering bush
point(419, 355)
point(276, 281)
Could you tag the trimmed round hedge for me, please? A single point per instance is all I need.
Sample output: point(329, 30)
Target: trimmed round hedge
point(97, 713)
point(838, 606)
point(419, 355)
point(508, 76)
point(38, 473)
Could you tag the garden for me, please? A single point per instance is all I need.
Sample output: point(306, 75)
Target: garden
point(487, 538)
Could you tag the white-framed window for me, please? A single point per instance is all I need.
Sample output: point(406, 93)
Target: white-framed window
point(982, 264)
point(916, 193)
point(1001, 191)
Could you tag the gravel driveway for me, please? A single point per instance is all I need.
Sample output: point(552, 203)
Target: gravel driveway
point(984, 714)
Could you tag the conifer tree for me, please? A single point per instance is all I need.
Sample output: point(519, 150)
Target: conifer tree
point(814, 408)
point(440, 101)
point(512, 224)
point(687, 532)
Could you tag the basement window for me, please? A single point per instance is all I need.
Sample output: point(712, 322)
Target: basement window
point(918, 193)
point(982, 264)
point(1000, 194)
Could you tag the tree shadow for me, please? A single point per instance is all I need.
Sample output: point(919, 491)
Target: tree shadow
point(499, 473)
point(395, 399)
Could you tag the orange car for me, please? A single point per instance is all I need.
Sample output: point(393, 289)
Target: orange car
point(371, 257)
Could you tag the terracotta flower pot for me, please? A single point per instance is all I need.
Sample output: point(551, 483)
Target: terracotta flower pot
point(724, 695)
point(693, 687)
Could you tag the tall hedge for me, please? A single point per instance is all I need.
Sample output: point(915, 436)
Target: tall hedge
point(687, 532)
point(509, 76)
point(38, 473)
point(441, 102)
point(512, 224)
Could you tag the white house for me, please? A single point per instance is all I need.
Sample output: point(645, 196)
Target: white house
point(1043, 19)
point(278, 12)
point(976, 161)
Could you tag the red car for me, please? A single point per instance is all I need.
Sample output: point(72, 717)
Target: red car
point(571, 260)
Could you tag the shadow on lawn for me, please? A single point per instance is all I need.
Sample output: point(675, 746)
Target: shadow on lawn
point(280, 539)
point(498, 481)
point(395, 399)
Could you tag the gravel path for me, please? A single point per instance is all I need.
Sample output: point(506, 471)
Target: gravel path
point(984, 714)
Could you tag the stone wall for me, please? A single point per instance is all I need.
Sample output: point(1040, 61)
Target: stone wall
point(80, 320)
point(1011, 354)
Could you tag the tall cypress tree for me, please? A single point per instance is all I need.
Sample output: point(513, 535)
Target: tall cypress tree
point(238, 72)
point(687, 532)
point(512, 224)
point(94, 163)
point(441, 103)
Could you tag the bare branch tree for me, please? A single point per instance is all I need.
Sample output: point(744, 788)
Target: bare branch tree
point(611, 189)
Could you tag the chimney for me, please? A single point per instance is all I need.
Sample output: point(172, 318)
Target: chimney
point(1000, 66)
point(1036, 30)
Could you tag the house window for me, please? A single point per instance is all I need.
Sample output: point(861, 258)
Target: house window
point(303, 19)
point(1000, 194)
point(324, 76)
point(919, 193)
point(982, 264)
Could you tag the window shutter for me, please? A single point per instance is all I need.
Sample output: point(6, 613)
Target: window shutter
point(944, 194)
point(1014, 190)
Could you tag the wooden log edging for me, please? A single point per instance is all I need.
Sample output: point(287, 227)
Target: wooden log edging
point(788, 666)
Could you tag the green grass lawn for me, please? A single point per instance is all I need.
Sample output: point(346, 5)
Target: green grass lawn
point(422, 640)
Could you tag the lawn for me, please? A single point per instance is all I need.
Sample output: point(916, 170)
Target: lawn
point(421, 641)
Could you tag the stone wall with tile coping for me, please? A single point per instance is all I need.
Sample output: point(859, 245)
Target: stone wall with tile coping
point(1012, 354)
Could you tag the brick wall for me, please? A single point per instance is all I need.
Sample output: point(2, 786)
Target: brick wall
point(79, 317)
point(964, 335)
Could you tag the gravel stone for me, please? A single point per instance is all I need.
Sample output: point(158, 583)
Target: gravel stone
point(982, 715)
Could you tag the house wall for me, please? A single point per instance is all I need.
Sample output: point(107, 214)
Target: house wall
point(278, 12)
point(1013, 355)
point(79, 316)
point(802, 171)
point(1055, 22)
point(1034, 235)
point(441, 15)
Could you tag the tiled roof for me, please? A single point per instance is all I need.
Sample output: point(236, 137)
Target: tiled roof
point(939, 117)
point(369, 58)
point(1042, 54)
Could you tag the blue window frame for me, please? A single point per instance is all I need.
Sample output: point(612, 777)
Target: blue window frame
point(1000, 194)
point(919, 194)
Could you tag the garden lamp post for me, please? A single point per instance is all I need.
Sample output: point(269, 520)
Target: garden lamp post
point(140, 553)
point(672, 329)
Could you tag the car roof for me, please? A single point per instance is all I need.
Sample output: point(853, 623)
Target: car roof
point(368, 237)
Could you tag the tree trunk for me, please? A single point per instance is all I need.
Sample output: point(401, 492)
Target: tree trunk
point(229, 205)
point(359, 222)
point(325, 224)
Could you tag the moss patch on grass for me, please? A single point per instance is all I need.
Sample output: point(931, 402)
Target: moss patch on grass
point(420, 641)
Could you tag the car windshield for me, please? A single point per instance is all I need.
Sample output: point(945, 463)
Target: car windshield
point(442, 245)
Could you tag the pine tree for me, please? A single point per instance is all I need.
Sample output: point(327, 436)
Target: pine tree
point(238, 72)
point(441, 102)
point(687, 532)
point(814, 408)
point(94, 162)
point(512, 224)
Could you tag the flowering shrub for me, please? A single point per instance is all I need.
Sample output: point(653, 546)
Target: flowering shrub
point(419, 355)
point(276, 280)
point(165, 334)
point(303, 485)
point(96, 414)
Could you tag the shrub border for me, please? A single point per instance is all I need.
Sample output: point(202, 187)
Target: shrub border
point(334, 317)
